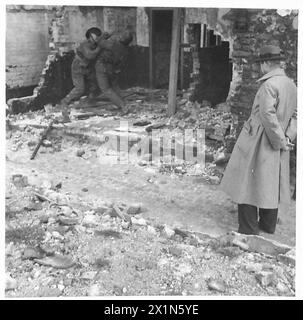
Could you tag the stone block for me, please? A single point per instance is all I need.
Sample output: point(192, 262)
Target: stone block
point(261, 245)
point(289, 258)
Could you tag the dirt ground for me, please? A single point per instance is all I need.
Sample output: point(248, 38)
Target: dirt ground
point(128, 259)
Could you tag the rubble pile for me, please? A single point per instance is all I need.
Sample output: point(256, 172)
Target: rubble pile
point(147, 109)
point(59, 245)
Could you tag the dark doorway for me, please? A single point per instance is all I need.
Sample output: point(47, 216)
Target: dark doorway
point(161, 37)
point(211, 65)
point(215, 73)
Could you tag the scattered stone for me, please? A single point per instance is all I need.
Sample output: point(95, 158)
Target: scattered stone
point(66, 210)
point(216, 285)
point(214, 179)
point(9, 249)
point(221, 159)
point(207, 255)
point(84, 189)
point(155, 126)
point(93, 291)
point(10, 283)
point(282, 288)
point(47, 143)
point(108, 233)
point(265, 278)
point(254, 267)
point(240, 244)
point(16, 147)
point(37, 274)
point(267, 246)
point(46, 184)
point(111, 212)
point(289, 258)
point(68, 221)
point(139, 222)
point(102, 263)
point(142, 123)
point(209, 157)
point(215, 137)
point(101, 210)
point(61, 287)
point(90, 221)
point(47, 249)
point(142, 163)
point(20, 181)
point(89, 275)
point(150, 171)
point(57, 235)
point(134, 209)
point(56, 261)
point(193, 241)
point(183, 234)
point(32, 253)
point(168, 232)
point(183, 269)
point(33, 206)
point(80, 229)
point(230, 252)
point(175, 251)
point(48, 292)
point(151, 230)
point(52, 220)
point(58, 185)
point(182, 101)
point(80, 153)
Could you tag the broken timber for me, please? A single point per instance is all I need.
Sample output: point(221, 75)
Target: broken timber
point(174, 61)
point(43, 137)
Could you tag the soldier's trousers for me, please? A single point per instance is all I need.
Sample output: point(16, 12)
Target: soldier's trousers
point(81, 77)
point(251, 220)
point(108, 82)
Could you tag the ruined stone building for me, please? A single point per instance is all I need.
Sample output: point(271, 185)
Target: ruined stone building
point(216, 61)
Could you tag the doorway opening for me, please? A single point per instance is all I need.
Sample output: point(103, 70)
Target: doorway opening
point(161, 37)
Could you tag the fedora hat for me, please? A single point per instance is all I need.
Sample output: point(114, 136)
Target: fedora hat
point(270, 53)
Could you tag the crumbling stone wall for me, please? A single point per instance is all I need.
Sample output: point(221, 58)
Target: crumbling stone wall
point(55, 82)
point(259, 27)
point(27, 45)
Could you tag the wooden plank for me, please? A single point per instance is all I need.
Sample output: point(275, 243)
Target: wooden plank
point(174, 61)
point(182, 53)
point(151, 56)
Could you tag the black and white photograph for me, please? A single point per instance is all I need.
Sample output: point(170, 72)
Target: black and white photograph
point(151, 151)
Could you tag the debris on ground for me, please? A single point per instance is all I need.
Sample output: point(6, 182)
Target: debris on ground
point(74, 256)
point(62, 243)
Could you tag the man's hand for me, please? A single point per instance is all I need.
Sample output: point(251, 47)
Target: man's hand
point(289, 146)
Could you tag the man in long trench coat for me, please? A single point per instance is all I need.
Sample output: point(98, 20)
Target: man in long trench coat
point(257, 175)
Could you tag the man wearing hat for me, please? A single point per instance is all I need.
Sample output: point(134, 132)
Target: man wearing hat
point(257, 175)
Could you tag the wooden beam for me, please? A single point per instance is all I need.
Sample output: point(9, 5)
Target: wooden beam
point(182, 53)
point(174, 61)
point(151, 54)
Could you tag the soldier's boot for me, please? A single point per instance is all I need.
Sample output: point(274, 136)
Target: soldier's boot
point(115, 98)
